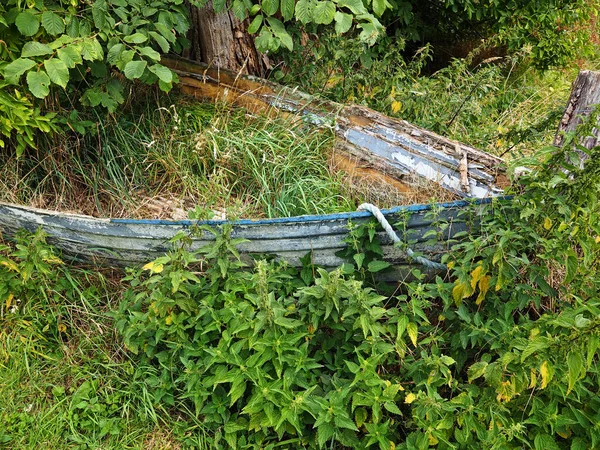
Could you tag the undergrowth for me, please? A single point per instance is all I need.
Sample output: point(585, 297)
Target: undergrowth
point(194, 350)
point(163, 161)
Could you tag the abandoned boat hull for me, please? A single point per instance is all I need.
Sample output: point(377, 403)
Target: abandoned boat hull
point(130, 242)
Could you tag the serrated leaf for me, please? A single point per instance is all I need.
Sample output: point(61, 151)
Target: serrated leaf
point(150, 53)
point(359, 258)
point(38, 83)
point(304, 9)
point(575, 366)
point(324, 433)
point(360, 416)
point(572, 265)
point(53, 23)
point(287, 9)
point(477, 370)
point(114, 53)
point(545, 442)
point(27, 23)
point(392, 407)
point(484, 286)
point(324, 12)
point(154, 267)
point(161, 41)
point(413, 332)
point(57, 71)
point(402, 324)
point(136, 38)
point(134, 69)
point(239, 9)
point(165, 32)
point(343, 22)
point(280, 31)
point(35, 49)
point(377, 266)
point(356, 6)
point(459, 291)
point(70, 55)
point(547, 372)
point(270, 7)
point(255, 24)
point(91, 50)
point(343, 421)
point(13, 71)
point(237, 390)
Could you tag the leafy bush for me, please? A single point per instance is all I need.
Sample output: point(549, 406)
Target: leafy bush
point(84, 50)
point(506, 356)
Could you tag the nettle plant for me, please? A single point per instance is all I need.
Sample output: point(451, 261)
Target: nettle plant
point(503, 354)
point(85, 49)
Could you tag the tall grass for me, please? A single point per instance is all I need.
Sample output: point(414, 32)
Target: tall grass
point(160, 161)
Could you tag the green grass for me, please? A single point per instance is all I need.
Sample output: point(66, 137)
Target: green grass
point(65, 380)
point(161, 161)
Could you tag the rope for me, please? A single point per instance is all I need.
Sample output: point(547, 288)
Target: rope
point(394, 237)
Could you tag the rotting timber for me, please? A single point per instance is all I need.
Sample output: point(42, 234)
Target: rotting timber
point(368, 144)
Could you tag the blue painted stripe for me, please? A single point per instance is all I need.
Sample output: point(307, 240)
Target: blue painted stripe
point(305, 219)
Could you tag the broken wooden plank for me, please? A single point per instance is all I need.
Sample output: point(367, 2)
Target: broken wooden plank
point(370, 139)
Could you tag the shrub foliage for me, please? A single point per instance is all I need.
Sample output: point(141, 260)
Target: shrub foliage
point(505, 356)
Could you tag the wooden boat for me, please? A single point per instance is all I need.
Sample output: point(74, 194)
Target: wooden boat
point(371, 145)
point(130, 242)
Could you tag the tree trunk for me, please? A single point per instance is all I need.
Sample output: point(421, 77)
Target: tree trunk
point(221, 40)
point(585, 96)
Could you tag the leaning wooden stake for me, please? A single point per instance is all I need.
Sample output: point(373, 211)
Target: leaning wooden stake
point(585, 96)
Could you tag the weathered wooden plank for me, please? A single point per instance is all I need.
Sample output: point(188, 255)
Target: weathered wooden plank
point(369, 140)
point(126, 242)
point(584, 98)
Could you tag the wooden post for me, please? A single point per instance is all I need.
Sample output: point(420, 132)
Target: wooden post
point(585, 96)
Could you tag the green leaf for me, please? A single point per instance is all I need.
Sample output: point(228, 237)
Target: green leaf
point(545, 442)
point(572, 267)
point(92, 50)
point(377, 266)
point(324, 12)
point(379, 7)
point(161, 41)
point(27, 23)
point(255, 24)
point(134, 69)
point(270, 7)
point(392, 407)
point(477, 370)
point(150, 53)
point(343, 22)
point(136, 38)
point(343, 421)
point(304, 11)
point(287, 9)
point(38, 83)
point(402, 324)
point(114, 53)
point(53, 23)
point(57, 71)
point(165, 32)
point(239, 9)
point(575, 366)
point(356, 6)
point(359, 258)
point(325, 431)
point(219, 5)
point(34, 48)
point(18, 67)
point(163, 73)
point(237, 390)
point(280, 31)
